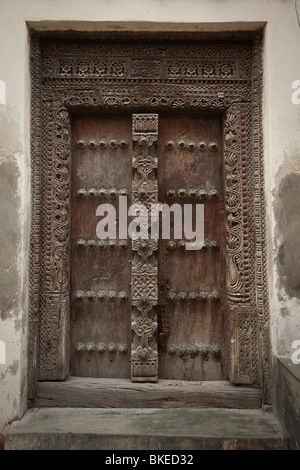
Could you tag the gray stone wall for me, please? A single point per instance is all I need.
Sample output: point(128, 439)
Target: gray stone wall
point(287, 398)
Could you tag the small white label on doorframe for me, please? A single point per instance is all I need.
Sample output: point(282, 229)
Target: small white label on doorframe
point(2, 92)
point(2, 352)
point(296, 354)
point(296, 94)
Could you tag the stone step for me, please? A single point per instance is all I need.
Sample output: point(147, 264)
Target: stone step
point(145, 429)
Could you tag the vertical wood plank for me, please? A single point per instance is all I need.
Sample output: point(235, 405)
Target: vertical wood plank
point(100, 275)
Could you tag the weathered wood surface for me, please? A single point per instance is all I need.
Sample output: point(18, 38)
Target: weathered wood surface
point(194, 163)
point(122, 393)
point(100, 326)
point(191, 332)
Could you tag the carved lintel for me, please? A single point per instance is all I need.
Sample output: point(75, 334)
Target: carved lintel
point(144, 357)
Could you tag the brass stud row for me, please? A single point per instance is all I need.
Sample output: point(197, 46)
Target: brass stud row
point(212, 245)
point(102, 193)
point(194, 350)
point(194, 296)
point(191, 145)
point(101, 348)
point(201, 194)
point(102, 144)
point(101, 295)
point(102, 244)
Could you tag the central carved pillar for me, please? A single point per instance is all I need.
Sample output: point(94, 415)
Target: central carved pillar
point(144, 357)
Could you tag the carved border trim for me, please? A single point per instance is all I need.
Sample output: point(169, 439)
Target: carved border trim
point(35, 246)
point(262, 303)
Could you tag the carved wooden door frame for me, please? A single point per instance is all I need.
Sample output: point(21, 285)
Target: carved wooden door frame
point(155, 73)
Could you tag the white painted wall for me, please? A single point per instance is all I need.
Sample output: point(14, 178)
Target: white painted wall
point(281, 127)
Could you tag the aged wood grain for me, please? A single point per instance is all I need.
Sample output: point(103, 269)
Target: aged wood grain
point(193, 324)
point(122, 393)
point(194, 330)
point(102, 326)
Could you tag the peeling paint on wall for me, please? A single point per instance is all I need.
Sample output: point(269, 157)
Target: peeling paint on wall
point(9, 234)
point(2, 92)
point(9, 137)
point(288, 216)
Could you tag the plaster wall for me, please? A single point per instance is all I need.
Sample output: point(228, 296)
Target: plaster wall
point(281, 147)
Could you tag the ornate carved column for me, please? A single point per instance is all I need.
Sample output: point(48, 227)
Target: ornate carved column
point(144, 358)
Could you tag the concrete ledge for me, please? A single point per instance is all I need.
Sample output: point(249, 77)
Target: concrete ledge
point(145, 429)
point(287, 399)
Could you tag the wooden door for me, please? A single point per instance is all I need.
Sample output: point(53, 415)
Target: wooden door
point(192, 282)
point(100, 269)
point(181, 163)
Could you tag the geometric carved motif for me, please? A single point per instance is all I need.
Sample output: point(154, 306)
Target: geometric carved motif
point(144, 357)
point(206, 73)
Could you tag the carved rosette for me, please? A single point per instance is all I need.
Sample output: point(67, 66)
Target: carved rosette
point(144, 358)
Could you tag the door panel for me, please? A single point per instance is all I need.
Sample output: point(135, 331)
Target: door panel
point(191, 283)
point(100, 270)
point(192, 293)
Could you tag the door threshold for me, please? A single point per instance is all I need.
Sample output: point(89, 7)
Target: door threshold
point(122, 393)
